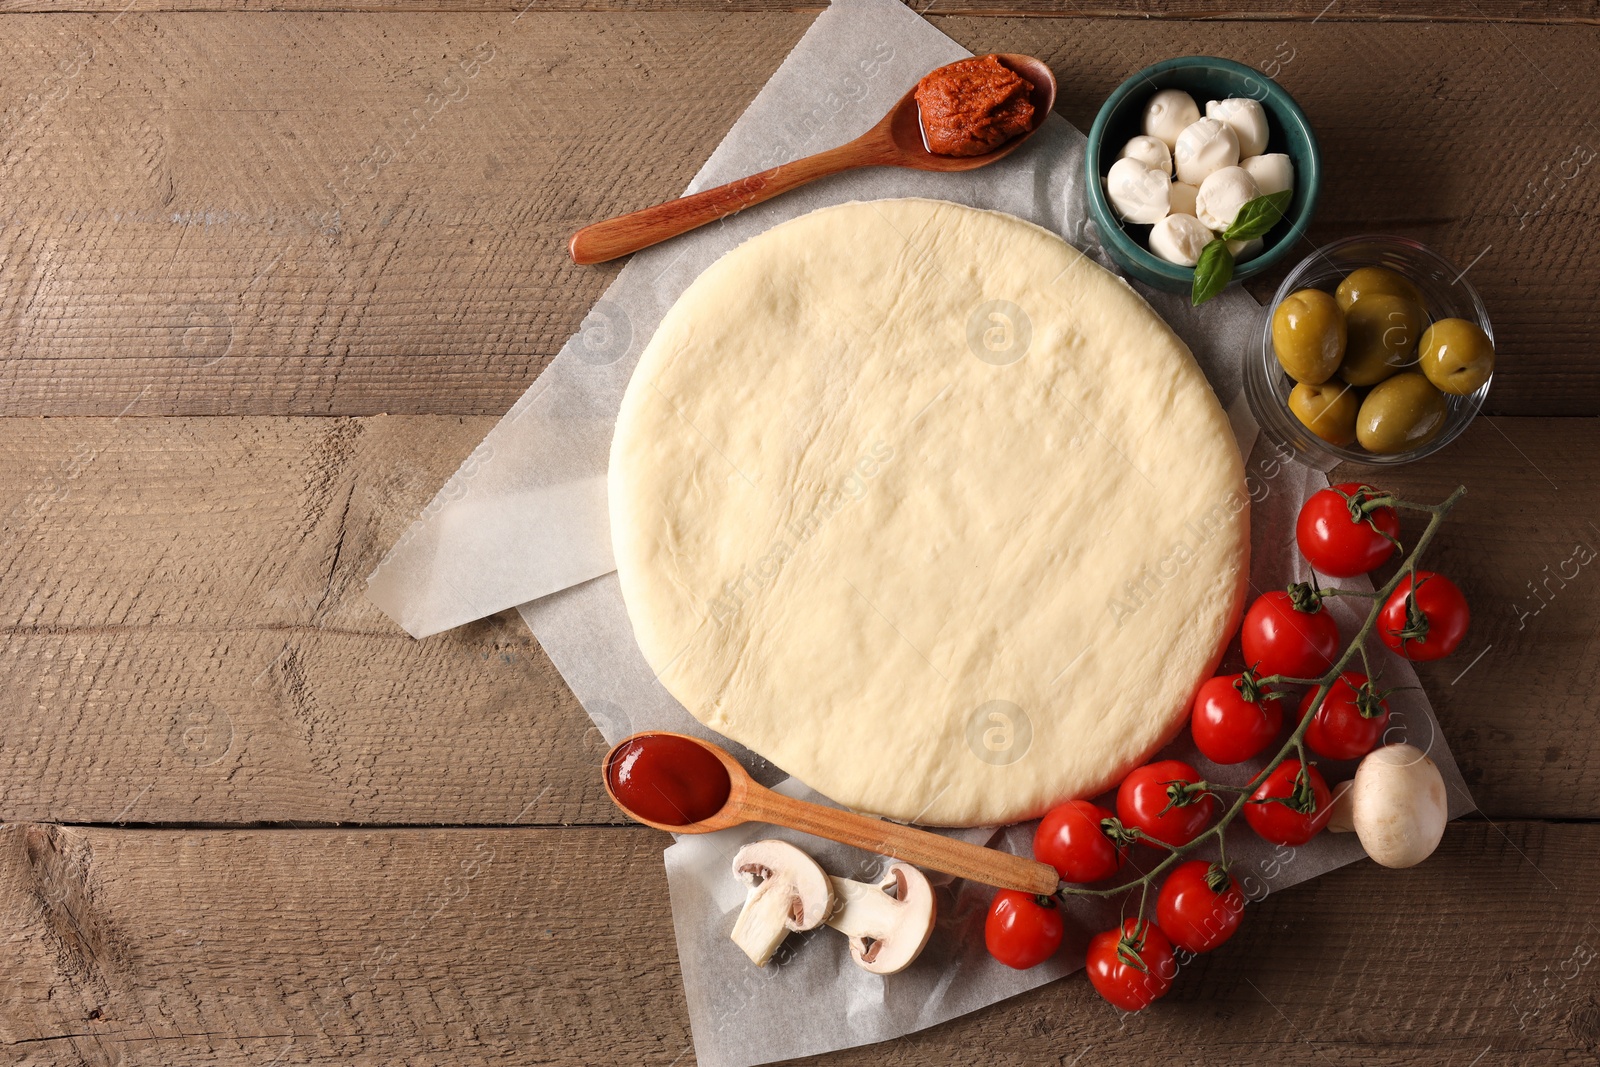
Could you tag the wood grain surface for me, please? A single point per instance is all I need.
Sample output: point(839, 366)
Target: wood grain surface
point(273, 267)
point(212, 213)
point(1541, 12)
point(556, 946)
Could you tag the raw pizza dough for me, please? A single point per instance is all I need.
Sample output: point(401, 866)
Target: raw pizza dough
point(920, 504)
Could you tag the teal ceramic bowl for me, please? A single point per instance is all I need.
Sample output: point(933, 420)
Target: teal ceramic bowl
point(1204, 78)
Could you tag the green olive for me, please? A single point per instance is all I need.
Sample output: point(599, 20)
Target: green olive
point(1401, 413)
point(1327, 410)
point(1308, 335)
point(1366, 280)
point(1383, 331)
point(1456, 355)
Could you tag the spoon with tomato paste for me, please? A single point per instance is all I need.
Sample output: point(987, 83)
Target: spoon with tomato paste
point(687, 786)
point(958, 117)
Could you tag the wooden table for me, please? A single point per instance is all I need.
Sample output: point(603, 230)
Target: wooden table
point(269, 269)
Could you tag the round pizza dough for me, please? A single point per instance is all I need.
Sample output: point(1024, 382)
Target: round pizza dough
point(920, 504)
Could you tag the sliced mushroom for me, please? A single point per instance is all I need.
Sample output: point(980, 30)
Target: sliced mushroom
point(1396, 804)
point(886, 931)
point(788, 891)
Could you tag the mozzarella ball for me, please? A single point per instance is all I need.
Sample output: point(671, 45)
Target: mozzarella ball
point(1243, 250)
point(1222, 195)
point(1179, 239)
point(1203, 148)
point(1180, 200)
point(1246, 117)
point(1167, 113)
point(1137, 193)
point(1151, 152)
point(1273, 172)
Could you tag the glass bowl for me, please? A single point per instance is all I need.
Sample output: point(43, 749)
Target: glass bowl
point(1447, 294)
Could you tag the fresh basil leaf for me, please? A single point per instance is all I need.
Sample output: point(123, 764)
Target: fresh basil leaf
point(1212, 273)
point(1258, 216)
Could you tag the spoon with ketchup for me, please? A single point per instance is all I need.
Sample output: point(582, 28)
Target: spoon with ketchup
point(687, 786)
point(978, 111)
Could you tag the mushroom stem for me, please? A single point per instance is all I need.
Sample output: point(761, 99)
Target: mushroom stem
point(763, 923)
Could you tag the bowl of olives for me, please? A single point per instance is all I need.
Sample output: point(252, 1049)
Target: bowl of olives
point(1376, 350)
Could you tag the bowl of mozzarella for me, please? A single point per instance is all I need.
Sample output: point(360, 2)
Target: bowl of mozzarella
point(1179, 148)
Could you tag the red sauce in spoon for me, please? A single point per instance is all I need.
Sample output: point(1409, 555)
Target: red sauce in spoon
point(669, 780)
point(973, 106)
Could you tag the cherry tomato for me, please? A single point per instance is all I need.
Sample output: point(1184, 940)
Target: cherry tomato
point(1234, 719)
point(1144, 795)
point(1350, 721)
point(1022, 930)
point(1426, 620)
point(1278, 638)
point(1127, 986)
point(1192, 914)
point(1071, 840)
point(1339, 543)
point(1279, 822)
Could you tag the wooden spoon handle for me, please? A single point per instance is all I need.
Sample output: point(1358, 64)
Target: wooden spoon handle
point(641, 229)
point(919, 847)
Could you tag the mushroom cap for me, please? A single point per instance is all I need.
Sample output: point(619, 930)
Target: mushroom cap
point(773, 866)
point(1398, 805)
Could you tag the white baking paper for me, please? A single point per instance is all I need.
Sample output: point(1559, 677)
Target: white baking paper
point(523, 523)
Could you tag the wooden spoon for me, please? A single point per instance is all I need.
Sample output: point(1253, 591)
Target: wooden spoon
point(748, 801)
point(896, 141)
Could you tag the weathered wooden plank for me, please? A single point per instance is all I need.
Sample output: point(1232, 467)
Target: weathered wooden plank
point(556, 946)
point(1543, 12)
point(291, 213)
point(184, 635)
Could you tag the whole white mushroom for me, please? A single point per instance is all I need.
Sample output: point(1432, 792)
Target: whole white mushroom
point(1204, 147)
point(1222, 195)
point(1167, 113)
point(1273, 172)
point(1179, 239)
point(1396, 804)
point(1137, 193)
point(1150, 151)
point(1246, 117)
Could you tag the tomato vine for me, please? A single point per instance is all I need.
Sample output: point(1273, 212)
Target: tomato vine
point(1294, 746)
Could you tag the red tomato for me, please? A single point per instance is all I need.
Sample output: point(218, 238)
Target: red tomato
point(1350, 721)
point(1195, 916)
point(1022, 930)
point(1071, 840)
point(1143, 797)
point(1279, 822)
point(1277, 638)
point(1233, 719)
point(1340, 536)
point(1127, 986)
point(1426, 625)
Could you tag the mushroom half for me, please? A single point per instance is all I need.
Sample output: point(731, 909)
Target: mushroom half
point(886, 931)
point(788, 891)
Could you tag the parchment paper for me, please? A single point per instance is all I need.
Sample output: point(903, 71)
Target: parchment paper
point(524, 523)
